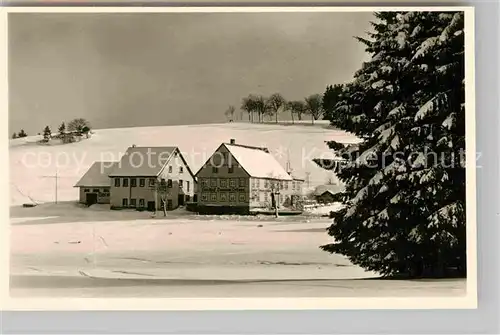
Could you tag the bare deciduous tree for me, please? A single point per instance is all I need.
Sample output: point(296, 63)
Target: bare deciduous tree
point(79, 126)
point(275, 103)
point(249, 106)
point(230, 113)
point(161, 191)
point(296, 107)
point(261, 107)
point(314, 106)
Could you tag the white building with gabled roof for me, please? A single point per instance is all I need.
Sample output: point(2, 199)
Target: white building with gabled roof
point(152, 177)
point(240, 178)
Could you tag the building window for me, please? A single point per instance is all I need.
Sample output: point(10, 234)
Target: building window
point(125, 202)
point(117, 182)
point(286, 185)
point(132, 202)
point(230, 169)
point(213, 182)
point(243, 182)
point(204, 197)
point(95, 190)
point(232, 182)
point(187, 185)
point(170, 169)
point(215, 170)
point(180, 183)
point(223, 197)
point(133, 182)
point(125, 182)
point(213, 197)
point(169, 183)
point(265, 196)
point(181, 169)
point(152, 182)
point(293, 185)
point(141, 203)
point(142, 182)
point(232, 197)
point(266, 183)
point(242, 197)
point(205, 182)
point(223, 182)
point(86, 190)
point(281, 184)
point(255, 196)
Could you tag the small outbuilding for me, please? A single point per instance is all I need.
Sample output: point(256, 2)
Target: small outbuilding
point(325, 194)
point(95, 184)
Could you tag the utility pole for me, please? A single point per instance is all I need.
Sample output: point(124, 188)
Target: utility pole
point(307, 178)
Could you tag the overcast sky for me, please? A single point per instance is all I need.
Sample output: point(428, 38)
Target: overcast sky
point(121, 70)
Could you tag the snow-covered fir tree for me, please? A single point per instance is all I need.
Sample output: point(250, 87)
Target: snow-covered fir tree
point(47, 133)
point(404, 198)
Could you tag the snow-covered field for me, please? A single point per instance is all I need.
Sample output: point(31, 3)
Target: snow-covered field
point(127, 253)
point(67, 250)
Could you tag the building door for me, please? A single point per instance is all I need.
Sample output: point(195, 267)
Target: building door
point(195, 198)
point(151, 206)
point(181, 199)
point(169, 204)
point(91, 198)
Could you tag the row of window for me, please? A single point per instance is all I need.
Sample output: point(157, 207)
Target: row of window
point(94, 190)
point(230, 169)
point(181, 169)
point(270, 184)
point(124, 182)
point(223, 197)
point(133, 203)
point(102, 193)
point(223, 182)
point(265, 196)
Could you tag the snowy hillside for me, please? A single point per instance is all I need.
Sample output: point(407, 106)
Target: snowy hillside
point(32, 166)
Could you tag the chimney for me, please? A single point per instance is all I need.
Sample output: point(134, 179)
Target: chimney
point(232, 141)
point(133, 145)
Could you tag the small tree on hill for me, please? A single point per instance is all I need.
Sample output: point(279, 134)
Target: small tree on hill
point(79, 126)
point(14, 136)
point(62, 129)
point(22, 133)
point(47, 134)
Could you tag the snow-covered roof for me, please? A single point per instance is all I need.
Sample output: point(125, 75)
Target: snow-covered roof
point(143, 161)
point(332, 189)
point(258, 162)
point(97, 175)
